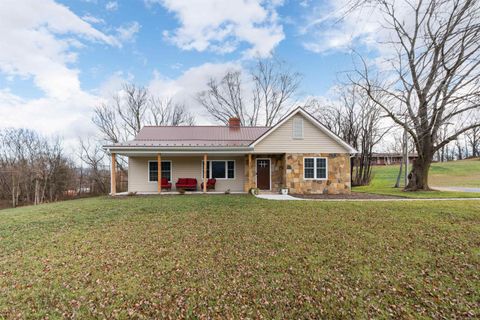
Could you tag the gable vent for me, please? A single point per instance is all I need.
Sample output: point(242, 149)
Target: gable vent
point(297, 128)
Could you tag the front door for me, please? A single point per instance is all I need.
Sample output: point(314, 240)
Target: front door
point(263, 174)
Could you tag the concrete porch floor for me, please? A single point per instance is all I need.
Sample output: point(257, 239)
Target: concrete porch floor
point(166, 193)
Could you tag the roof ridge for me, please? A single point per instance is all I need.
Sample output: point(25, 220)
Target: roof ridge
point(192, 139)
point(204, 126)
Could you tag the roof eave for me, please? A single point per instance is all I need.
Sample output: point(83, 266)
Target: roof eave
point(149, 149)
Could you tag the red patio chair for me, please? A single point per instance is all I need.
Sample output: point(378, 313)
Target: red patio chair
point(210, 184)
point(165, 184)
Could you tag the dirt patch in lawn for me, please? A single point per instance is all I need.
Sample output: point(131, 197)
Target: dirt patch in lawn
point(352, 195)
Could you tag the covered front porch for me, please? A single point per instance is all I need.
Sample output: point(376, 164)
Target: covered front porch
point(233, 172)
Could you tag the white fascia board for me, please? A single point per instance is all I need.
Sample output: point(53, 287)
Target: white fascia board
point(191, 150)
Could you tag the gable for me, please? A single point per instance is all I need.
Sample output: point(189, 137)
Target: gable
point(314, 139)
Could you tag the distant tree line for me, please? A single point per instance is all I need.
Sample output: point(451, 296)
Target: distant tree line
point(35, 169)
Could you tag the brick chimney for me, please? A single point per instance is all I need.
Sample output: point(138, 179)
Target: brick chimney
point(234, 123)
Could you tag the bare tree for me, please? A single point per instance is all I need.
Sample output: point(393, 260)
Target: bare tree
point(274, 86)
point(459, 147)
point(134, 107)
point(434, 77)
point(132, 110)
point(33, 169)
point(472, 137)
point(94, 157)
point(224, 99)
point(263, 100)
point(166, 112)
point(442, 134)
point(357, 120)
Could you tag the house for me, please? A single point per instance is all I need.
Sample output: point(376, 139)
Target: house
point(298, 153)
point(391, 158)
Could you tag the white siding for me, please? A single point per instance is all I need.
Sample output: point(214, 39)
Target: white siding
point(314, 140)
point(182, 167)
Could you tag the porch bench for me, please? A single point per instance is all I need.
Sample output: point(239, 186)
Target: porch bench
point(186, 184)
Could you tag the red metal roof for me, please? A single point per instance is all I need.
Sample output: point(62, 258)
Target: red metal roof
point(192, 136)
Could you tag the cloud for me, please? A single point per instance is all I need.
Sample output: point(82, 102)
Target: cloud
point(333, 26)
point(184, 88)
point(111, 6)
point(331, 29)
point(30, 45)
point(39, 42)
point(91, 19)
point(68, 119)
point(113, 84)
point(221, 26)
point(127, 32)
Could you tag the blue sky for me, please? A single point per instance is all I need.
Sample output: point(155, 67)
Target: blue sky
point(149, 50)
point(59, 59)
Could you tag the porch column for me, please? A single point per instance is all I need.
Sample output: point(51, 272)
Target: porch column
point(205, 173)
point(159, 173)
point(113, 173)
point(250, 172)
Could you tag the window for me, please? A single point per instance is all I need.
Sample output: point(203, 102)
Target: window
point(231, 169)
point(297, 128)
point(153, 170)
point(220, 169)
point(315, 168)
point(309, 168)
point(321, 168)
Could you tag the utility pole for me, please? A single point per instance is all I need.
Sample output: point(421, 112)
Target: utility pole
point(405, 150)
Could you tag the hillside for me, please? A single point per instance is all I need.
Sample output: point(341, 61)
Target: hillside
point(229, 256)
point(463, 173)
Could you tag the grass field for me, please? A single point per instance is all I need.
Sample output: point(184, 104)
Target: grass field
point(238, 256)
point(464, 173)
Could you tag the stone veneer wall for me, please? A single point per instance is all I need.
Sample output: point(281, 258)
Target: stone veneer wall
point(338, 174)
point(277, 162)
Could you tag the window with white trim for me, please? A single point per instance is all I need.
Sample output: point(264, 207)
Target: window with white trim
point(220, 169)
point(297, 128)
point(153, 170)
point(315, 168)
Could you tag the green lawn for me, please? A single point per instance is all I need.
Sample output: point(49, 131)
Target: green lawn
point(465, 173)
point(240, 257)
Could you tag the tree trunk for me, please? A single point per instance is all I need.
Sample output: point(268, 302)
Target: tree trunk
point(418, 177)
point(37, 192)
point(14, 203)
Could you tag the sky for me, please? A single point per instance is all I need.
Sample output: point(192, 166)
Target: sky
point(59, 59)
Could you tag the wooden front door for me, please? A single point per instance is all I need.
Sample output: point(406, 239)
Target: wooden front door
point(263, 174)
